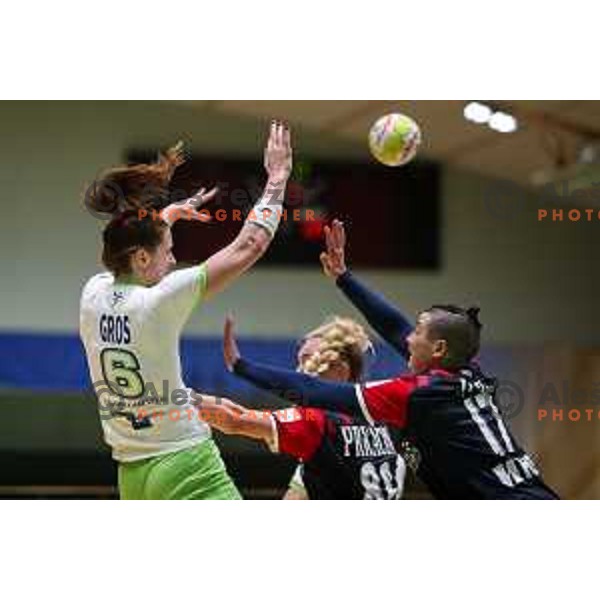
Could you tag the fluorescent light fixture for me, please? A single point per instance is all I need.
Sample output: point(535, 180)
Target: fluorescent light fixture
point(503, 122)
point(477, 112)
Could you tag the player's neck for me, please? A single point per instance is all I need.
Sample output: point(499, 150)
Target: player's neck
point(129, 279)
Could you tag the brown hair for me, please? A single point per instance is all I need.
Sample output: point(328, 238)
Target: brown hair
point(121, 192)
point(124, 235)
point(342, 339)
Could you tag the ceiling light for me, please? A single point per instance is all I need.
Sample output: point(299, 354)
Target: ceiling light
point(503, 122)
point(477, 112)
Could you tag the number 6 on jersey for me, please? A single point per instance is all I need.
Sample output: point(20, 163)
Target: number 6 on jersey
point(121, 371)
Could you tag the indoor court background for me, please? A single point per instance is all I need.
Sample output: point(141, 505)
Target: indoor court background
point(536, 281)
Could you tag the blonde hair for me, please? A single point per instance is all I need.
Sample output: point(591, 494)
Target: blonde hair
point(341, 339)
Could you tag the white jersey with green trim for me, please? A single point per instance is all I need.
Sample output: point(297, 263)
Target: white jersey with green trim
point(131, 339)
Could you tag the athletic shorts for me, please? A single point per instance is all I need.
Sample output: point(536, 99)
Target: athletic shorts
point(197, 473)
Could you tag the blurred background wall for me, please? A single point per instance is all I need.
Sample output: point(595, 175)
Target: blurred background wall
point(535, 281)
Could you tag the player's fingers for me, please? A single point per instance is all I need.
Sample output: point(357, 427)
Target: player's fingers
point(337, 233)
point(225, 402)
point(206, 406)
point(272, 135)
point(287, 137)
point(235, 409)
point(280, 135)
point(227, 341)
point(331, 243)
point(208, 196)
point(228, 331)
point(177, 152)
point(196, 199)
point(325, 263)
point(328, 239)
point(327, 232)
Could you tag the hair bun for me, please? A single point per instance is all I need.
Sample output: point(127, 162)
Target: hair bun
point(104, 197)
point(473, 314)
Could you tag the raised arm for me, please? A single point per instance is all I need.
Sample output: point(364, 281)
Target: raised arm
point(262, 222)
point(378, 401)
point(385, 318)
point(306, 390)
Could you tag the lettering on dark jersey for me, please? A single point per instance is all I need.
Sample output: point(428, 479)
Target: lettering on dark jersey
point(114, 329)
point(516, 470)
point(365, 441)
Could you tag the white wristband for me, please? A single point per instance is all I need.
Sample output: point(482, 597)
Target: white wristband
point(266, 213)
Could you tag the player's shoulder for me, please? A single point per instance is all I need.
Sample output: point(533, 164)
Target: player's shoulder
point(461, 378)
point(96, 283)
point(405, 381)
point(439, 384)
point(181, 276)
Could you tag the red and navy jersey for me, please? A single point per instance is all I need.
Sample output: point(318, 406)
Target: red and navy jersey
point(466, 449)
point(344, 458)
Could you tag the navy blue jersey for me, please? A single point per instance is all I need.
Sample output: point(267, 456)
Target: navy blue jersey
point(343, 457)
point(465, 447)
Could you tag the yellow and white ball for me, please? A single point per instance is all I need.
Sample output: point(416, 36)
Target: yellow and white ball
point(394, 139)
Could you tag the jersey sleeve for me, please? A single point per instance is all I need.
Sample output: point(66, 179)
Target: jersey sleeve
point(178, 294)
point(298, 431)
point(386, 401)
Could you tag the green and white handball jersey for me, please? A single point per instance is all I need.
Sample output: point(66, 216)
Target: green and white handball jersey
point(131, 338)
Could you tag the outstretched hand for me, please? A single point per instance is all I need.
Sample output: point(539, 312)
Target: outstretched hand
point(186, 209)
point(278, 153)
point(333, 260)
point(231, 353)
point(220, 413)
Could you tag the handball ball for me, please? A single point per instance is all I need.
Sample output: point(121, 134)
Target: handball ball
point(394, 139)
